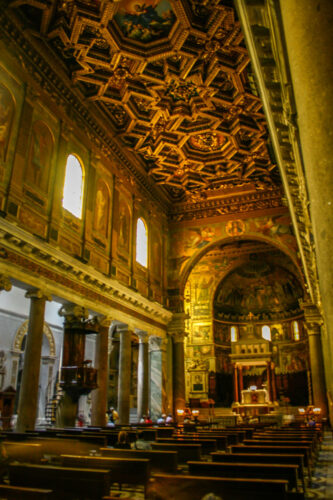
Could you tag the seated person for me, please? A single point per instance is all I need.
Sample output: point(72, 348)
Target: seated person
point(148, 420)
point(169, 419)
point(140, 443)
point(161, 419)
point(123, 441)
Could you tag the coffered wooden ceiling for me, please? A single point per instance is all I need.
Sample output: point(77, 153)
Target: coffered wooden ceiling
point(173, 83)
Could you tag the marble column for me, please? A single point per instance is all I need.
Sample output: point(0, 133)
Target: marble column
point(143, 379)
point(313, 322)
point(309, 43)
point(178, 372)
point(157, 350)
point(124, 377)
point(28, 399)
point(100, 395)
point(169, 376)
point(236, 395)
point(114, 371)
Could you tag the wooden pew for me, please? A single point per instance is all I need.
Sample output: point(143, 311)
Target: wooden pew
point(266, 458)
point(222, 440)
point(23, 452)
point(246, 470)
point(282, 450)
point(160, 461)
point(67, 483)
point(122, 470)
point(165, 431)
point(270, 442)
point(186, 487)
point(185, 451)
point(207, 445)
point(19, 493)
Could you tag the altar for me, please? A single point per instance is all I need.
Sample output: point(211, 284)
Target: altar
point(253, 402)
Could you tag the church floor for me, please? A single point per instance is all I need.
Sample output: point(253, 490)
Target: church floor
point(322, 478)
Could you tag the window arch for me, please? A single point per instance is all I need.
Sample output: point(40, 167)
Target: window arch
point(141, 242)
point(73, 187)
point(266, 332)
point(233, 334)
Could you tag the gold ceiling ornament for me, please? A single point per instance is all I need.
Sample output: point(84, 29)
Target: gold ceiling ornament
point(180, 105)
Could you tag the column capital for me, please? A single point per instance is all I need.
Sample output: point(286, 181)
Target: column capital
point(178, 337)
point(5, 283)
point(73, 312)
point(103, 321)
point(313, 318)
point(123, 328)
point(177, 323)
point(156, 343)
point(143, 336)
point(311, 312)
point(36, 293)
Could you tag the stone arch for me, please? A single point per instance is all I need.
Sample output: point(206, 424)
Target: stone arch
point(22, 331)
point(196, 257)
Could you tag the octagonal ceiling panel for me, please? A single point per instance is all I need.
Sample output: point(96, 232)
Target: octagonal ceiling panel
point(173, 80)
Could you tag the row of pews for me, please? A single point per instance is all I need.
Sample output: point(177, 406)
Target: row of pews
point(234, 463)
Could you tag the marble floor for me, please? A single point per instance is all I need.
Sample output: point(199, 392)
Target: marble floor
point(322, 478)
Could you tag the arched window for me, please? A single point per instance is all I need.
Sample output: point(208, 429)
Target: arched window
point(295, 330)
point(141, 243)
point(266, 332)
point(233, 334)
point(73, 187)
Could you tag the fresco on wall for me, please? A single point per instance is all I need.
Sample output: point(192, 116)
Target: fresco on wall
point(124, 226)
point(235, 227)
point(40, 156)
point(156, 261)
point(201, 333)
point(7, 110)
point(102, 209)
point(187, 241)
point(261, 288)
point(293, 358)
point(145, 21)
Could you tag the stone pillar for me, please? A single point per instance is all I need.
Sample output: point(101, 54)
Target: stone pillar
point(114, 371)
point(143, 380)
point(313, 322)
point(178, 372)
point(236, 395)
point(309, 42)
point(274, 398)
point(269, 382)
point(99, 396)
point(176, 329)
point(28, 399)
point(124, 376)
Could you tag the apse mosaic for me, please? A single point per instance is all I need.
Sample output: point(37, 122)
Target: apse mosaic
point(145, 21)
point(258, 287)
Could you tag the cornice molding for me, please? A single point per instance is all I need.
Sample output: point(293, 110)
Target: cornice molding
point(19, 243)
point(229, 205)
point(263, 31)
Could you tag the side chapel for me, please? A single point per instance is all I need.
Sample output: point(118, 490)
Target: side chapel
point(165, 207)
